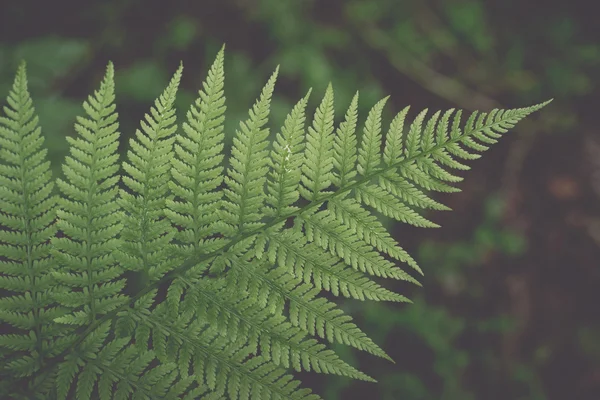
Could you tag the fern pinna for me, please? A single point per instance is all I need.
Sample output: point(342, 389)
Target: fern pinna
point(232, 262)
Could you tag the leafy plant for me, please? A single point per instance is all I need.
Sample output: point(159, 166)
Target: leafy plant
point(198, 282)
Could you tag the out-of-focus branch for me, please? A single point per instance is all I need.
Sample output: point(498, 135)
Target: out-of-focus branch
point(465, 60)
point(455, 92)
point(95, 45)
point(428, 20)
point(447, 88)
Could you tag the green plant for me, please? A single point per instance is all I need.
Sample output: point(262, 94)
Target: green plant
point(186, 281)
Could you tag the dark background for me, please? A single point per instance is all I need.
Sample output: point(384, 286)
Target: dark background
point(510, 303)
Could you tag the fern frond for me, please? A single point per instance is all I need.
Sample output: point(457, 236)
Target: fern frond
point(316, 171)
point(117, 369)
point(311, 263)
point(28, 213)
point(249, 165)
point(329, 231)
point(344, 147)
point(242, 290)
point(368, 228)
point(89, 215)
point(368, 154)
point(252, 317)
point(147, 233)
point(313, 315)
point(285, 162)
point(200, 351)
point(197, 169)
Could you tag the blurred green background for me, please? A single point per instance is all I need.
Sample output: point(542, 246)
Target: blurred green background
point(510, 304)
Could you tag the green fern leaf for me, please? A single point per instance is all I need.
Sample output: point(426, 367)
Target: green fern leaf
point(316, 171)
point(245, 180)
point(197, 169)
point(286, 161)
point(28, 211)
point(228, 300)
point(147, 233)
point(368, 154)
point(344, 155)
point(89, 215)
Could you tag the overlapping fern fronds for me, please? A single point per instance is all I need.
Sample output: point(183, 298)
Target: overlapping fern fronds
point(229, 297)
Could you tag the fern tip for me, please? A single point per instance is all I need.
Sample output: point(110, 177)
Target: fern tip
point(22, 65)
point(274, 76)
point(110, 71)
point(537, 107)
point(21, 76)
